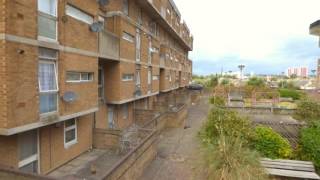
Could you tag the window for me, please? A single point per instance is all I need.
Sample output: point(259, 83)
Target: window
point(149, 76)
point(140, 16)
point(138, 78)
point(138, 45)
point(154, 28)
point(127, 77)
point(28, 151)
point(150, 50)
point(101, 83)
point(125, 111)
point(125, 7)
point(128, 37)
point(155, 78)
point(78, 14)
point(79, 76)
point(47, 76)
point(70, 132)
point(47, 19)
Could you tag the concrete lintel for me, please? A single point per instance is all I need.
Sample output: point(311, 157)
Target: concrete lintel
point(24, 128)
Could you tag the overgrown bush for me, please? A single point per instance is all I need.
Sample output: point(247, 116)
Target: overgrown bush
point(308, 110)
point(228, 123)
point(290, 93)
point(217, 101)
point(257, 82)
point(309, 144)
point(270, 144)
point(230, 159)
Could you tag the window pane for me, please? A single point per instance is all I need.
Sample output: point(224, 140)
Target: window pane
point(48, 53)
point(78, 14)
point(73, 76)
point(70, 122)
point(48, 102)
point(27, 144)
point(47, 77)
point(48, 6)
point(70, 135)
point(84, 76)
point(30, 168)
point(47, 27)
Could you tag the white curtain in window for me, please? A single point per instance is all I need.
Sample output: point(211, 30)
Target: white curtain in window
point(47, 77)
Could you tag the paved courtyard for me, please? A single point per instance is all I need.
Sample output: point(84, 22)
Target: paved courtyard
point(178, 148)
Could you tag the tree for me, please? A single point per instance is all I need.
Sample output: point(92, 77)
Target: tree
point(256, 82)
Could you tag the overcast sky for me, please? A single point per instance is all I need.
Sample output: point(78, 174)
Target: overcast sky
point(266, 35)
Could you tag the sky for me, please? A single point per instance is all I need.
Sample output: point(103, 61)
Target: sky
point(267, 36)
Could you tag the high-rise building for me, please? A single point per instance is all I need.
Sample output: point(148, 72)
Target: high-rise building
point(298, 71)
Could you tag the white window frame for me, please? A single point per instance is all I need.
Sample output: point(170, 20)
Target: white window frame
point(70, 11)
point(33, 158)
point(51, 16)
point(66, 129)
point(90, 74)
point(53, 61)
point(128, 37)
point(125, 77)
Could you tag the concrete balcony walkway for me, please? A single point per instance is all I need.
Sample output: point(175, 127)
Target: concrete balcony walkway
point(178, 148)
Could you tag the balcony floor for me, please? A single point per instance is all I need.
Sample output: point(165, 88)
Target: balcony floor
point(80, 167)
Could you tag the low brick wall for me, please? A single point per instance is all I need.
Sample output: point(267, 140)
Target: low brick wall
point(142, 116)
point(178, 117)
point(104, 138)
point(9, 173)
point(134, 163)
point(263, 110)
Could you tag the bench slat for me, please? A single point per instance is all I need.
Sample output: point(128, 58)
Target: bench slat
point(288, 161)
point(306, 169)
point(293, 174)
point(287, 164)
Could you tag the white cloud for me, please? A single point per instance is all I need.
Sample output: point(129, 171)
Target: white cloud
point(249, 29)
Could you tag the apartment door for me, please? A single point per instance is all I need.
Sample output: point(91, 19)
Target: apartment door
point(111, 123)
point(28, 151)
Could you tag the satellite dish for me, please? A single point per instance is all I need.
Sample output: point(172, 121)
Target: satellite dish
point(103, 2)
point(69, 96)
point(96, 27)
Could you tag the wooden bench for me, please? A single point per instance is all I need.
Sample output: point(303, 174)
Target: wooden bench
point(290, 169)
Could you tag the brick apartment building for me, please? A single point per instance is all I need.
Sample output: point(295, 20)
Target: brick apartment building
point(298, 71)
point(315, 30)
point(70, 66)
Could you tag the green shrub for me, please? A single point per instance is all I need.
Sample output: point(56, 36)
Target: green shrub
point(257, 82)
point(309, 144)
point(308, 110)
point(218, 101)
point(228, 123)
point(229, 159)
point(290, 93)
point(270, 144)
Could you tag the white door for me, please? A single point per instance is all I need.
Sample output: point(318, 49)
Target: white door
point(111, 117)
point(28, 151)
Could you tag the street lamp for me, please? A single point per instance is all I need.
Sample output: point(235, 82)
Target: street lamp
point(241, 67)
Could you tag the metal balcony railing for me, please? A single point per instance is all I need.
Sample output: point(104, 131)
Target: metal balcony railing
point(109, 45)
